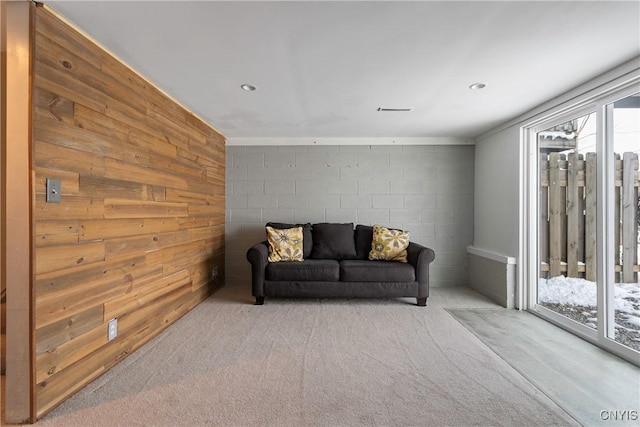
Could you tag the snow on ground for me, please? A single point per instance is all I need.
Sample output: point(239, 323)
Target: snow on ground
point(581, 292)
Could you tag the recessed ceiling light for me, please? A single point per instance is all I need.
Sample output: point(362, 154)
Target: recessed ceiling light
point(248, 87)
point(477, 86)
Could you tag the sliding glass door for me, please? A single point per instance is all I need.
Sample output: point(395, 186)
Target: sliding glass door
point(587, 223)
point(567, 235)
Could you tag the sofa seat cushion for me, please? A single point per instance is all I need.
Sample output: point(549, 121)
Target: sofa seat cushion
point(376, 271)
point(312, 270)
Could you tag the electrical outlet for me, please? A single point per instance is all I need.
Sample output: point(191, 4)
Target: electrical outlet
point(113, 329)
point(214, 272)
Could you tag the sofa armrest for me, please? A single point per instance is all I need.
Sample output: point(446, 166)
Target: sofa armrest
point(258, 256)
point(420, 257)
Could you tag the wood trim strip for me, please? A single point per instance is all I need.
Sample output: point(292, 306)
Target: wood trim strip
point(20, 403)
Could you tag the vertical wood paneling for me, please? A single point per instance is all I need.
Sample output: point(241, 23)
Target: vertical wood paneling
point(141, 222)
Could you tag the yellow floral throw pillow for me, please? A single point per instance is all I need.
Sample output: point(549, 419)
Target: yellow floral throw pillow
point(285, 244)
point(389, 245)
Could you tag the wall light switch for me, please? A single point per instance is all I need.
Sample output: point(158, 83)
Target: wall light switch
point(54, 190)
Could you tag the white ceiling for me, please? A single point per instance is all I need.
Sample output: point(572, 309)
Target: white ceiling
point(323, 68)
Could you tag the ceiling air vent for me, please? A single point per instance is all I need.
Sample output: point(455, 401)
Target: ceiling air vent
point(395, 109)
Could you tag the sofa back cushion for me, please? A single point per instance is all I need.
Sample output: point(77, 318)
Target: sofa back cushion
point(307, 238)
point(363, 239)
point(333, 241)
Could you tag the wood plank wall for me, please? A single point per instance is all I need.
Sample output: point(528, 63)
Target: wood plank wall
point(141, 223)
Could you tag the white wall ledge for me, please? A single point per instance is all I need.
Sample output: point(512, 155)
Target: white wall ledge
point(491, 255)
point(350, 141)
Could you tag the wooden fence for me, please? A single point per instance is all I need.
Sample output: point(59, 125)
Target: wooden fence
point(568, 216)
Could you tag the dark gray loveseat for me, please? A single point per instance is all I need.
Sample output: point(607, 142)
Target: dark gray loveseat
point(336, 264)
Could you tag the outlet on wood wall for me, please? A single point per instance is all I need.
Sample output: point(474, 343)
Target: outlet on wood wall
point(140, 224)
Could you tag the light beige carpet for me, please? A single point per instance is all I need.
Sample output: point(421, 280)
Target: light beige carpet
point(296, 362)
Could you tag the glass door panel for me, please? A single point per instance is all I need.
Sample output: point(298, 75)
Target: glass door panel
point(567, 206)
point(586, 259)
point(624, 130)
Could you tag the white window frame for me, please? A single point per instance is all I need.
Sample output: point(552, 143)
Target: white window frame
point(598, 100)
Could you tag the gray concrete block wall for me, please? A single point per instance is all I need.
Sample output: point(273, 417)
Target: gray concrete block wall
point(427, 190)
